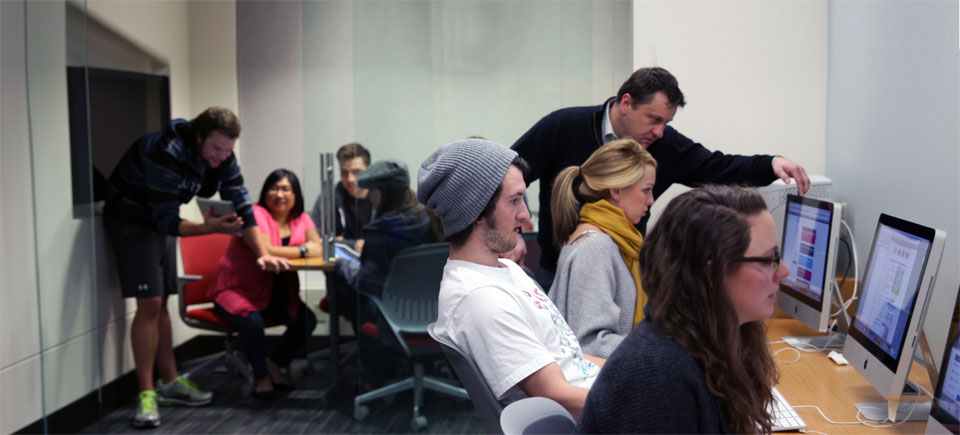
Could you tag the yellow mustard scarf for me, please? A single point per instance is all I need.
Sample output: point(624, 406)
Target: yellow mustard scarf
point(614, 223)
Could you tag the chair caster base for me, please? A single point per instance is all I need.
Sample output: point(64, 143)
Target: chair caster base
point(360, 412)
point(418, 423)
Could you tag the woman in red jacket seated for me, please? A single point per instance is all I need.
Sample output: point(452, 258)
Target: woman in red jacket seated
point(244, 294)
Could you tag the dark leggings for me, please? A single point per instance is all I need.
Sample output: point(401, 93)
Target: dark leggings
point(253, 341)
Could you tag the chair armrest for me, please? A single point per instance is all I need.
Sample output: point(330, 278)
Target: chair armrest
point(182, 281)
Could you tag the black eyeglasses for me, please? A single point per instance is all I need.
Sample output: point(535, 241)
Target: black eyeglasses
point(775, 260)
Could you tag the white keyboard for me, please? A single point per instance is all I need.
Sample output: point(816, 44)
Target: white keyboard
point(784, 417)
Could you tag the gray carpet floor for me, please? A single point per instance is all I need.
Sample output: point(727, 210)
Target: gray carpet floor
point(305, 409)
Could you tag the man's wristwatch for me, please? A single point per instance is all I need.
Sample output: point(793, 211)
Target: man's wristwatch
point(303, 251)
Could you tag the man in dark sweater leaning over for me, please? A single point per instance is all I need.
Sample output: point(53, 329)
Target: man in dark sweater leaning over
point(645, 103)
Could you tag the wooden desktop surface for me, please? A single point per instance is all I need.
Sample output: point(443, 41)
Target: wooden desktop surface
point(313, 263)
point(816, 380)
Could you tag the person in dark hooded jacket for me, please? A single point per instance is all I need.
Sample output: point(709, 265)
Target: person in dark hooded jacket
point(399, 222)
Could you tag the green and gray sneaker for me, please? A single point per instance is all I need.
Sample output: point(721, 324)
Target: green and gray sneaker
point(182, 391)
point(147, 414)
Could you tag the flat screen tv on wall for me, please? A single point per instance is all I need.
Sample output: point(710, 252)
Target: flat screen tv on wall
point(109, 109)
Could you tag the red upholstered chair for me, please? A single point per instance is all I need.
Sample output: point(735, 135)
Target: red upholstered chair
point(201, 257)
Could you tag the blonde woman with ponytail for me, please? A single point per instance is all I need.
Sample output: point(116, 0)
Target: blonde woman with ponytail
point(595, 208)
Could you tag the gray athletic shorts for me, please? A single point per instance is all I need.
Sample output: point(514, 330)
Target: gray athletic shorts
point(146, 259)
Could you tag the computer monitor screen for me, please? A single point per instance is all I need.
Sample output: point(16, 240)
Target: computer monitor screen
point(890, 290)
point(945, 413)
point(897, 283)
point(810, 232)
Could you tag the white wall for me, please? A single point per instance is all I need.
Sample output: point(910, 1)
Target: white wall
point(328, 77)
point(68, 297)
point(213, 57)
point(20, 397)
point(84, 326)
point(753, 74)
point(271, 89)
point(893, 144)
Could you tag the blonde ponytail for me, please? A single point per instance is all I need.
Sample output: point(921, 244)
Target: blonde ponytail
point(564, 205)
point(616, 165)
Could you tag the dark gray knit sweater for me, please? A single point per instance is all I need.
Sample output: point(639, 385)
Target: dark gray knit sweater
point(651, 385)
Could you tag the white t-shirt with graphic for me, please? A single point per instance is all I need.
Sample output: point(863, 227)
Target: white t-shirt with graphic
point(501, 319)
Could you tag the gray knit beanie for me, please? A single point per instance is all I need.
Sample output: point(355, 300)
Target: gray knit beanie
point(458, 180)
point(385, 174)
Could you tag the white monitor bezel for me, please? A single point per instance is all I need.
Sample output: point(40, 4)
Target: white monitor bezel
point(816, 315)
point(886, 374)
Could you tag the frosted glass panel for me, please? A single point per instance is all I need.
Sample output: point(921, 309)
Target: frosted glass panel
point(428, 73)
point(65, 225)
point(403, 78)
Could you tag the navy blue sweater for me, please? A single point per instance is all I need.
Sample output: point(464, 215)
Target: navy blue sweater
point(569, 136)
point(651, 385)
point(386, 237)
point(162, 170)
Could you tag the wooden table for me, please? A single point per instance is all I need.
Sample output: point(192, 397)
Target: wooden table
point(333, 310)
point(313, 263)
point(816, 380)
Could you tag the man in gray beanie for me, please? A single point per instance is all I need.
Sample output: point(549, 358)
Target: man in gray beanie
point(489, 308)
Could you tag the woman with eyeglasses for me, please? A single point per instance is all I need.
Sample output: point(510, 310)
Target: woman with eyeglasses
point(596, 207)
point(244, 294)
point(698, 362)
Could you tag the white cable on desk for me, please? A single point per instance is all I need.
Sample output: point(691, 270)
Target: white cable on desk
point(825, 415)
point(784, 361)
point(868, 423)
point(913, 405)
point(856, 271)
point(812, 431)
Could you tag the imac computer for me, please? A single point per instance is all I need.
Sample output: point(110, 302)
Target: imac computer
point(811, 229)
point(775, 195)
point(945, 412)
point(896, 288)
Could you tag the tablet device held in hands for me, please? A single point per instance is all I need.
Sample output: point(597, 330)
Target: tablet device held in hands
point(220, 208)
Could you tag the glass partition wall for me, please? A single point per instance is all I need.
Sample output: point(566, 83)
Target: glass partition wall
point(68, 236)
point(90, 93)
point(397, 78)
point(400, 79)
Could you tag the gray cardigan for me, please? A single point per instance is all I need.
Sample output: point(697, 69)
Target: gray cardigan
point(595, 292)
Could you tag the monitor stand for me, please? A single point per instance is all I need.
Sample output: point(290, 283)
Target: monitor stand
point(910, 410)
point(833, 340)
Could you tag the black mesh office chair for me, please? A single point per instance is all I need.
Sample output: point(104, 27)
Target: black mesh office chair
point(408, 303)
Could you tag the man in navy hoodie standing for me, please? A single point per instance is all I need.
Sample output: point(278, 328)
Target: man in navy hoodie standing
point(157, 174)
point(645, 103)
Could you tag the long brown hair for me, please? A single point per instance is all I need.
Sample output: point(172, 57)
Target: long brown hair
point(616, 165)
point(688, 303)
point(403, 199)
